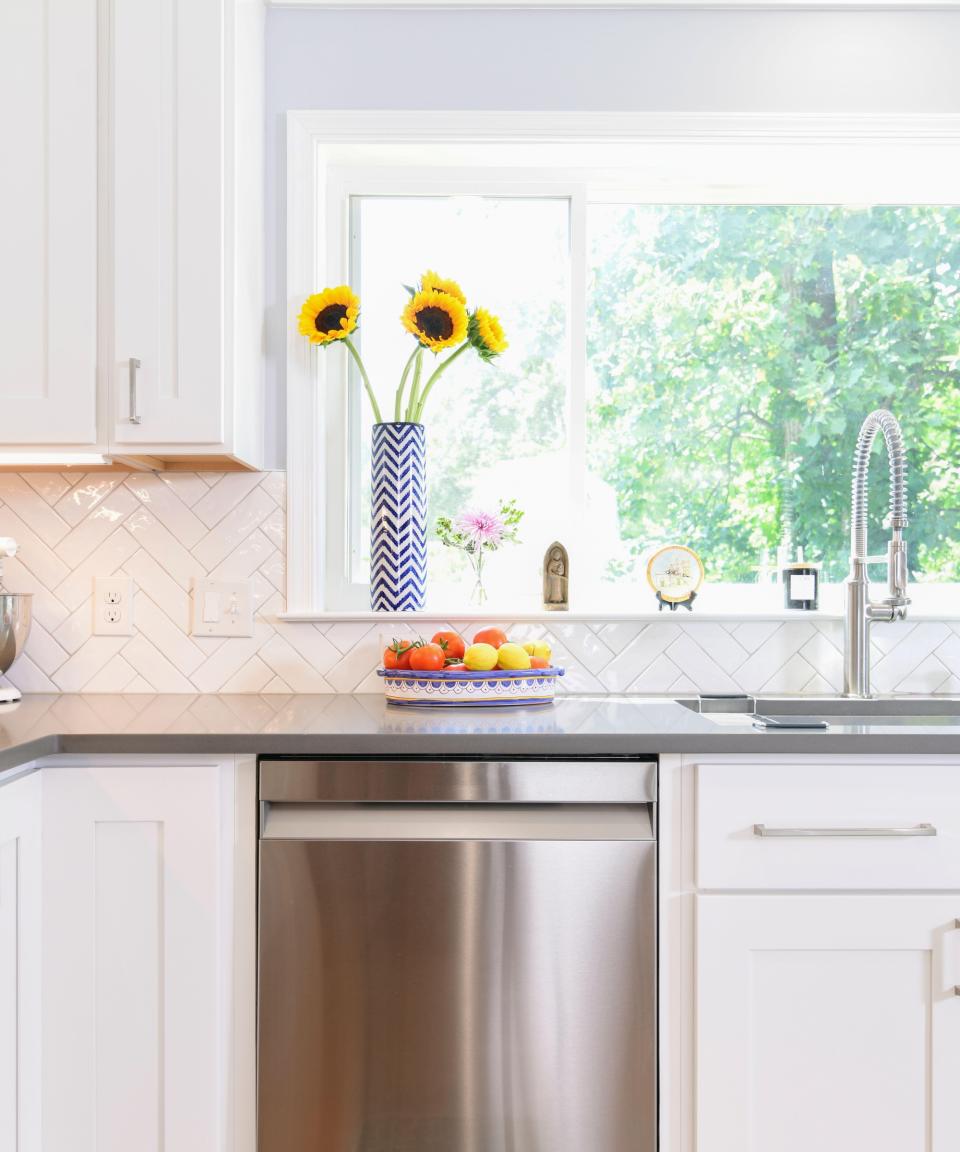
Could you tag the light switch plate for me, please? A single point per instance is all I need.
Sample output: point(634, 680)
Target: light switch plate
point(222, 608)
point(112, 606)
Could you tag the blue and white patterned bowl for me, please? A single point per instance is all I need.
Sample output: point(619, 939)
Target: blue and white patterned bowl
point(470, 689)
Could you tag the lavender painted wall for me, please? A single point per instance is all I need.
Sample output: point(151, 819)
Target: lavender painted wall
point(695, 61)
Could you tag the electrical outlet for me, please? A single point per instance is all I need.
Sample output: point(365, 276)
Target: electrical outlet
point(222, 608)
point(112, 606)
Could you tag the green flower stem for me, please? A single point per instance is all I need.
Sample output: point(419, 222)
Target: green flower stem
point(415, 387)
point(479, 592)
point(418, 415)
point(366, 379)
point(398, 403)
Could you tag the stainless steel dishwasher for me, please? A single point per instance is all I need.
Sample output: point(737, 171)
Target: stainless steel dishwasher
point(457, 956)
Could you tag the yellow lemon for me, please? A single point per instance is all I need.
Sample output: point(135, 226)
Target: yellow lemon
point(480, 657)
point(539, 648)
point(513, 658)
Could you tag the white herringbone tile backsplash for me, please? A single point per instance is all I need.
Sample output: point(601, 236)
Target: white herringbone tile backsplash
point(166, 530)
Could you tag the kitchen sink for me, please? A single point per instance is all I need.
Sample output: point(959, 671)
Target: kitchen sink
point(840, 711)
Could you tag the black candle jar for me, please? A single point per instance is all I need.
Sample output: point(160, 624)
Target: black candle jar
point(801, 585)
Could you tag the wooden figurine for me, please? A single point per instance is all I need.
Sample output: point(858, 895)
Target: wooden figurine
point(556, 578)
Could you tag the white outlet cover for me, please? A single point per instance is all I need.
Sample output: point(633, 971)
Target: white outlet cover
point(222, 608)
point(112, 606)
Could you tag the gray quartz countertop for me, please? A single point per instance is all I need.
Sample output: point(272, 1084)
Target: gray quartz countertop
point(364, 725)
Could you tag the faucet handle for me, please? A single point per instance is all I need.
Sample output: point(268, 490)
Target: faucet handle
point(889, 609)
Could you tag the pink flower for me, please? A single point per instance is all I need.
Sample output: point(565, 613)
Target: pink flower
point(481, 529)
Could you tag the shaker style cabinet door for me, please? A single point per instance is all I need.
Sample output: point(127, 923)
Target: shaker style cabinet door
point(48, 222)
point(167, 162)
point(136, 957)
point(829, 1023)
point(20, 967)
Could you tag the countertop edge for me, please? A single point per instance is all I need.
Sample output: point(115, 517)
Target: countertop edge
point(483, 744)
point(16, 755)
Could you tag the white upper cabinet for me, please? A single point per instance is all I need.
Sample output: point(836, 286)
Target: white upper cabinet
point(131, 228)
point(180, 289)
point(48, 222)
point(168, 222)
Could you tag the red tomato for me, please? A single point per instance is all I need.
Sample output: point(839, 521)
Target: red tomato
point(492, 636)
point(398, 654)
point(539, 662)
point(427, 658)
point(451, 643)
point(455, 668)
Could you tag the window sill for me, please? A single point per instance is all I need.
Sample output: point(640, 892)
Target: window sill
point(718, 604)
point(572, 617)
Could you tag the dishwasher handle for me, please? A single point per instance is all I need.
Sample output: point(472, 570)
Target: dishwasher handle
point(384, 781)
point(458, 822)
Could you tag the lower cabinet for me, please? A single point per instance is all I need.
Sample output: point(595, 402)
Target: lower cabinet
point(20, 965)
point(827, 1022)
point(138, 949)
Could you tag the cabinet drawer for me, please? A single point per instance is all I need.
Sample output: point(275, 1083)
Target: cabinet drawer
point(849, 825)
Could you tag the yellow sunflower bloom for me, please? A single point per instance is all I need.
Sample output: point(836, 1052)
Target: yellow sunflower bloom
point(486, 334)
point(329, 315)
point(437, 319)
point(431, 282)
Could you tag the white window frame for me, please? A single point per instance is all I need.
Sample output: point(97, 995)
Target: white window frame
point(332, 156)
point(349, 182)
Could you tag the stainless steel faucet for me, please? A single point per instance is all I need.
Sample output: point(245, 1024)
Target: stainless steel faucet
point(859, 610)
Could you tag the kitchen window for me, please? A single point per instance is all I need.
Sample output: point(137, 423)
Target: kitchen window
point(695, 340)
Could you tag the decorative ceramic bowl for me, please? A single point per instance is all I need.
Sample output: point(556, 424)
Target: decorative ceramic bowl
point(470, 689)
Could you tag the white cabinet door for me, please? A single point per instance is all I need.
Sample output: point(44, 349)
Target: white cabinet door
point(167, 105)
point(20, 923)
point(48, 222)
point(137, 952)
point(828, 1023)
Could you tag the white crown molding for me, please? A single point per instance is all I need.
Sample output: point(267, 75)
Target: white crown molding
point(906, 6)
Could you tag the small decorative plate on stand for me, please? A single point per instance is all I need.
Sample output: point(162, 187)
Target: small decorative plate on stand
point(675, 573)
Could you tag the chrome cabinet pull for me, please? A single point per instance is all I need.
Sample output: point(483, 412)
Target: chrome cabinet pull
point(134, 365)
point(802, 833)
point(956, 987)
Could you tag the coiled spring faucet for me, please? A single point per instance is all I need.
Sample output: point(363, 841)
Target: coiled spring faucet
point(859, 610)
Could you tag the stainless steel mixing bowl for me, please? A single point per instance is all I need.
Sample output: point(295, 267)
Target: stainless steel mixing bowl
point(15, 612)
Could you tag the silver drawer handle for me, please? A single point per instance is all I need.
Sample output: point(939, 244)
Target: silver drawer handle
point(956, 987)
point(795, 833)
point(134, 365)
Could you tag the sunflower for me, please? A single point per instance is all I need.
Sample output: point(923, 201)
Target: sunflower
point(437, 319)
point(431, 282)
point(485, 333)
point(329, 315)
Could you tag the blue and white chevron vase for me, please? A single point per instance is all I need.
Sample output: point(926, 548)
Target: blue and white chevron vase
point(398, 521)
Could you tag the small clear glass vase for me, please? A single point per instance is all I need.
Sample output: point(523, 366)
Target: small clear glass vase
point(478, 596)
